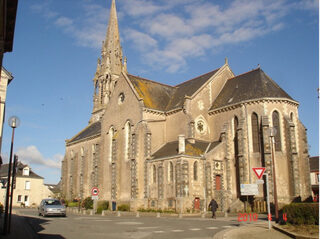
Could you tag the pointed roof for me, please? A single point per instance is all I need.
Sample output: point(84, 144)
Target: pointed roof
point(112, 47)
point(252, 85)
point(188, 88)
point(19, 173)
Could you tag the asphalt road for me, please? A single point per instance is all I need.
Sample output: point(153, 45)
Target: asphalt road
point(96, 227)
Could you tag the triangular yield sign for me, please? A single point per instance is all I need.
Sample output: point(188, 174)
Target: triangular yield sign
point(259, 172)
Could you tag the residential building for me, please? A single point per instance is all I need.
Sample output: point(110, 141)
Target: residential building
point(29, 187)
point(314, 176)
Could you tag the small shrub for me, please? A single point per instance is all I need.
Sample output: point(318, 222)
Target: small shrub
point(124, 207)
point(87, 203)
point(302, 213)
point(73, 204)
point(102, 205)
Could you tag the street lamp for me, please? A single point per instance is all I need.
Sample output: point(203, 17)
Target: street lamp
point(13, 122)
point(272, 133)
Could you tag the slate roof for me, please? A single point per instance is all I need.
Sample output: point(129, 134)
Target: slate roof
point(4, 171)
point(164, 97)
point(90, 130)
point(171, 149)
point(155, 95)
point(314, 164)
point(248, 86)
point(188, 88)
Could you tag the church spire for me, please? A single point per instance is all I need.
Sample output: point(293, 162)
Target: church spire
point(111, 48)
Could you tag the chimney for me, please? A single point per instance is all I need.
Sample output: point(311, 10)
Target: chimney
point(182, 144)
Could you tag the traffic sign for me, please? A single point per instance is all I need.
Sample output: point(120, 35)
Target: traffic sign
point(259, 181)
point(249, 189)
point(94, 191)
point(259, 172)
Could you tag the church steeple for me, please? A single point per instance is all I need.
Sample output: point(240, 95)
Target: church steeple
point(109, 67)
point(111, 47)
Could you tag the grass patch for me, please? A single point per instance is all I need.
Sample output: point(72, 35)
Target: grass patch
point(306, 230)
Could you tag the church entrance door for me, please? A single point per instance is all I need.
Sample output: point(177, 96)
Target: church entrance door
point(197, 204)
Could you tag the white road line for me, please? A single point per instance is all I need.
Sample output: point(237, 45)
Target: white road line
point(143, 228)
point(227, 226)
point(194, 229)
point(177, 230)
point(129, 223)
point(158, 231)
point(211, 228)
point(106, 220)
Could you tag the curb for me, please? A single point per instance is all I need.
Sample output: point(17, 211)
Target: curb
point(292, 234)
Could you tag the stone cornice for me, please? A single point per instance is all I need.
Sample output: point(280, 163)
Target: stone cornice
point(82, 140)
point(252, 101)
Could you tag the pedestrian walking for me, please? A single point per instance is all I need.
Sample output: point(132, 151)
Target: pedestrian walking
point(213, 205)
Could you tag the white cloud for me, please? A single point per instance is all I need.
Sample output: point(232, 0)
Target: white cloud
point(31, 155)
point(168, 32)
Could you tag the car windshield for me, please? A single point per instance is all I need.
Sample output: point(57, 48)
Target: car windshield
point(52, 202)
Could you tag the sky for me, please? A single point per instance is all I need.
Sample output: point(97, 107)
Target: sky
point(57, 44)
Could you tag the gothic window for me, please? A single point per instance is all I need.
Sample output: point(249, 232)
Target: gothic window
point(121, 98)
point(127, 132)
point(291, 116)
point(96, 88)
point(218, 182)
point(276, 125)
point(236, 153)
point(154, 174)
point(170, 172)
point(111, 133)
point(255, 132)
point(195, 171)
point(101, 92)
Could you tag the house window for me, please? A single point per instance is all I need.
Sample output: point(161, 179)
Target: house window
point(25, 172)
point(27, 185)
point(276, 125)
point(26, 197)
point(19, 198)
point(255, 132)
point(195, 171)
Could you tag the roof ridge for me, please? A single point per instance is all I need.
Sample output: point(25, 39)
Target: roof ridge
point(258, 68)
point(151, 81)
point(197, 77)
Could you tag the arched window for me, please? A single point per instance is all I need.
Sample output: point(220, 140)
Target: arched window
point(276, 125)
point(111, 133)
point(171, 171)
point(236, 153)
point(291, 116)
point(154, 174)
point(127, 133)
point(195, 171)
point(255, 132)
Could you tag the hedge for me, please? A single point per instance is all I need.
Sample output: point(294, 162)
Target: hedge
point(102, 205)
point(87, 203)
point(124, 207)
point(302, 213)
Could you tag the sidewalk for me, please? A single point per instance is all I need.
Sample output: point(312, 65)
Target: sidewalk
point(20, 229)
point(252, 231)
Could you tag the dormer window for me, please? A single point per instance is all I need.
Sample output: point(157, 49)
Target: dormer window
point(26, 171)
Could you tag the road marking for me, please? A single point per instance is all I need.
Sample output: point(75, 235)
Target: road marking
point(129, 223)
point(211, 228)
point(143, 228)
point(158, 231)
point(227, 226)
point(194, 229)
point(177, 230)
point(106, 220)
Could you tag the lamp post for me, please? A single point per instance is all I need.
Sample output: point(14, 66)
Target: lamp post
point(272, 133)
point(14, 122)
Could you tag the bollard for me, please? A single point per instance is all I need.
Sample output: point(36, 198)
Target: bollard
point(226, 214)
point(118, 214)
point(180, 215)
point(158, 214)
point(138, 214)
point(91, 212)
point(84, 212)
point(203, 215)
point(103, 213)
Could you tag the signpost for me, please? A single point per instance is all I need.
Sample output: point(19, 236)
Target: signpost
point(94, 197)
point(259, 172)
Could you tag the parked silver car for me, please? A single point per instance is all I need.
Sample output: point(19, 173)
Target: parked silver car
point(52, 207)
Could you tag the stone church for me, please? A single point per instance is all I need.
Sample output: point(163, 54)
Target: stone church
point(158, 146)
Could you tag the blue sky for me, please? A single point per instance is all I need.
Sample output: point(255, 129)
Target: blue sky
point(57, 44)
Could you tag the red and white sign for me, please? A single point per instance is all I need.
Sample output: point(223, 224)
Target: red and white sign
point(259, 172)
point(94, 191)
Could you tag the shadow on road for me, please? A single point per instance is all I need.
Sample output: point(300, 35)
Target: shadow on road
point(36, 225)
